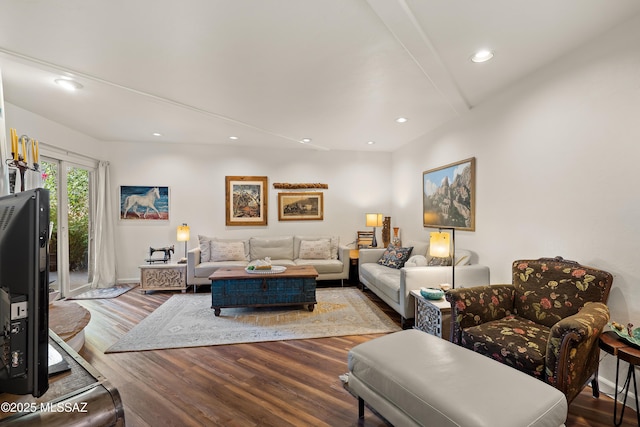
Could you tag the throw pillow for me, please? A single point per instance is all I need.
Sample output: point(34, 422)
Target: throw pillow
point(205, 248)
point(315, 249)
point(395, 256)
point(227, 251)
point(438, 261)
point(416, 261)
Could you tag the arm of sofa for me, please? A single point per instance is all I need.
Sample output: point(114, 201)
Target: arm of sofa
point(370, 255)
point(477, 305)
point(193, 259)
point(572, 349)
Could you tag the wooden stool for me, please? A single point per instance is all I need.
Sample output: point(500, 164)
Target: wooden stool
point(68, 320)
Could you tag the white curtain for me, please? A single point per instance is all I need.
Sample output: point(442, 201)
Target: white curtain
point(104, 263)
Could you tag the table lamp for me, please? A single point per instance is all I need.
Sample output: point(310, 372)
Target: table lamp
point(440, 246)
point(374, 220)
point(183, 236)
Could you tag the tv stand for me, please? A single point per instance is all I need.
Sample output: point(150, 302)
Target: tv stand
point(81, 396)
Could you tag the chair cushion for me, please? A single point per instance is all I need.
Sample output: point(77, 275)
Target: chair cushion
point(333, 240)
point(322, 266)
point(273, 247)
point(512, 340)
point(315, 249)
point(227, 251)
point(548, 290)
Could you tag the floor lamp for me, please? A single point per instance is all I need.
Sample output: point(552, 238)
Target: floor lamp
point(183, 236)
point(441, 247)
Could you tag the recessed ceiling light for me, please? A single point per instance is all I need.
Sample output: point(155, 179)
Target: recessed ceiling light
point(370, 142)
point(156, 134)
point(401, 119)
point(68, 84)
point(233, 137)
point(305, 140)
point(482, 56)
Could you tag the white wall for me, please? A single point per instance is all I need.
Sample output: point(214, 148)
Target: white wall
point(50, 133)
point(557, 168)
point(358, 183)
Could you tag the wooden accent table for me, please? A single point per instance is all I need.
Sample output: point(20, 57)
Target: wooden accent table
point(234, 287)
point(613, 344)
point(163, 277)
point(68, 320)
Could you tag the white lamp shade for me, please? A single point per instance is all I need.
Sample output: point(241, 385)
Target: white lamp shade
point(374, 220)
point(439, 244)
point(183, 233)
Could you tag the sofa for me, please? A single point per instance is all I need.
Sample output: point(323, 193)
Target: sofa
point(324, 253)
point(394, 284)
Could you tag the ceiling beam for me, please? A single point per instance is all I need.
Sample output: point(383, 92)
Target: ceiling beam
point(402, 23)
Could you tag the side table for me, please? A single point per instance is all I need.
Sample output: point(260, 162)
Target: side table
point(354, 255)
point(432, 316)
point(68, 320)
point(616, 346)
point(163, 277)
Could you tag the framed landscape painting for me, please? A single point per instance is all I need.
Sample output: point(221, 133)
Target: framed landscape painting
point(144, 203)
point(300, 206)
point(448, 196)
point(246, 200)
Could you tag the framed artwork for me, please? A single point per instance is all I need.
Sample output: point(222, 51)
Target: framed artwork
point(246, 200)
point(300, 206)
point(449, 196)
point(144, 203)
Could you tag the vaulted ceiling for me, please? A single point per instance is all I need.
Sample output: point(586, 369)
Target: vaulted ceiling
point(272, 72)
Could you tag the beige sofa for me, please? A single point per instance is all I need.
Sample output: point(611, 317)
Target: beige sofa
point(330, 260)
point(394, 285)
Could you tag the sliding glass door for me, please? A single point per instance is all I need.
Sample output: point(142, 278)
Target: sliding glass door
point(70, 187)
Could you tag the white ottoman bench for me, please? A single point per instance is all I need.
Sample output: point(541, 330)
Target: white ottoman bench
point(415, 379)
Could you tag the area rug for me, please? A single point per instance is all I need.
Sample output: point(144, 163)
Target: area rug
point(100, 293)
point(187, 320)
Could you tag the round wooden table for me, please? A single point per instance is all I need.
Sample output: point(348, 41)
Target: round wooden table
point(614, 345)
point(68, 320)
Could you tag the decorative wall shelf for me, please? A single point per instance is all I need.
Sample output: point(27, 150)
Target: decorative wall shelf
point(287, 186)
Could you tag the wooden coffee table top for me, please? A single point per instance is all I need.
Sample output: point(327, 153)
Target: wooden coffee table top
point(239, 273)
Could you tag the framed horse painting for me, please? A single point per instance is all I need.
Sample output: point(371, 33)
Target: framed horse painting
point(144, 203)
point(246, 200)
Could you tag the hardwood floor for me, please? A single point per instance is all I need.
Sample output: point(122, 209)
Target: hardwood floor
point(288, 383)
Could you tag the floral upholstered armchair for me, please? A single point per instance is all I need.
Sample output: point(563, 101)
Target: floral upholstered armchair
point(546, 323)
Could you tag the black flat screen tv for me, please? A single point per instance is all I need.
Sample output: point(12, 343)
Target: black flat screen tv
point(24, 300)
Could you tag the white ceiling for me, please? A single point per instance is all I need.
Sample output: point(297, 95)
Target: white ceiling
point(272, 72)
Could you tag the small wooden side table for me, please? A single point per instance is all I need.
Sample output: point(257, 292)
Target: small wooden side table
point(354, 255)
point(614, 345)
point(163, 277)
point(67, 320)
point(432, 316)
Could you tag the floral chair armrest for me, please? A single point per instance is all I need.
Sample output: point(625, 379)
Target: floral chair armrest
point(572, 351)
point(477, 305)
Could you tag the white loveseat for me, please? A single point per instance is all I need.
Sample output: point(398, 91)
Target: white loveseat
point(330, 260)
point(394, 286)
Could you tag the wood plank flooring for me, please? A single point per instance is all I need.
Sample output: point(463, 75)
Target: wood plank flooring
point(289, 383)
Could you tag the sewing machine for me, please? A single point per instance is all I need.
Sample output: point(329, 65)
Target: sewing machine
point(167, 250)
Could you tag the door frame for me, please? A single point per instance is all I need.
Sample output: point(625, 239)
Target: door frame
point(65, 160)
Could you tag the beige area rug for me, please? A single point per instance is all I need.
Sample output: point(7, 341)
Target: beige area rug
point(101, 293)
point(187, 320)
